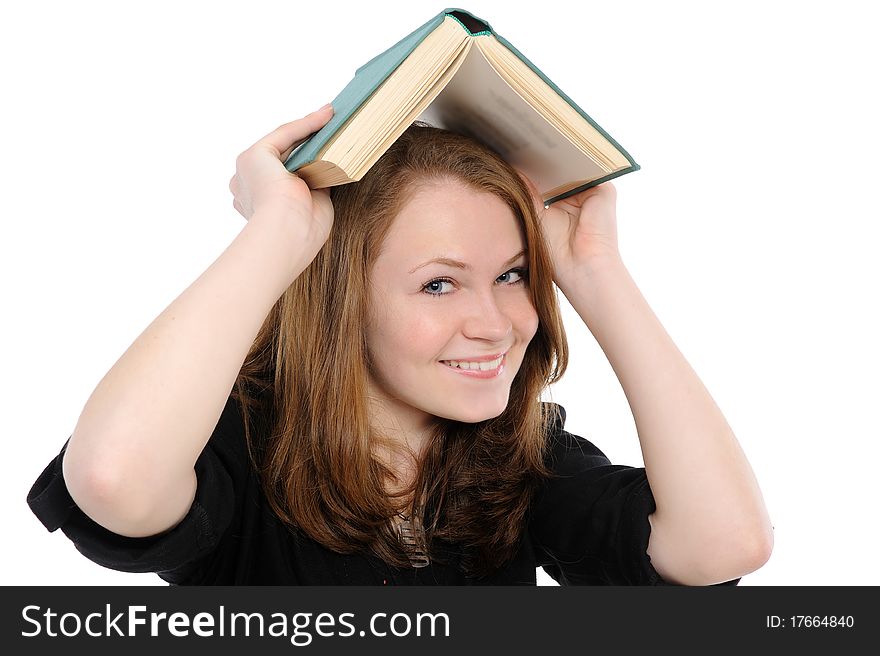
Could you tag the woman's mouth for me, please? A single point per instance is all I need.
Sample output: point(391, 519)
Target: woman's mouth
point(490, 369)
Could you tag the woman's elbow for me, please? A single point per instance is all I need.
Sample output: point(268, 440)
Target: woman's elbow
point(745, 557)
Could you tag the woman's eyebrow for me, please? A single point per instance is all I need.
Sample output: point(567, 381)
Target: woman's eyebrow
point(461, 265)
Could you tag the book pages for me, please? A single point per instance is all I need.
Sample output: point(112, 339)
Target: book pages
point(479, 103)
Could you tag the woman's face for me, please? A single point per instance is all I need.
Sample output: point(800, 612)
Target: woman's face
point(425, 314)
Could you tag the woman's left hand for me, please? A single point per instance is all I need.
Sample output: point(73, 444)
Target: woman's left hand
point(581, 230)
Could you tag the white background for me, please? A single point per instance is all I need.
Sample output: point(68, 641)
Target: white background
point(751, 228)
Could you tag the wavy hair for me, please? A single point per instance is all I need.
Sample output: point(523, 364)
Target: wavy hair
point(303, 384)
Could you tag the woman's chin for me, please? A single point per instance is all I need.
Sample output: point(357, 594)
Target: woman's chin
point(471, 414)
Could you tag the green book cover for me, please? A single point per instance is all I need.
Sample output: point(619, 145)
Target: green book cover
point(370, 77)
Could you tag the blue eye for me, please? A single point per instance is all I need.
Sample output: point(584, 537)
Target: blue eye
point(434, 287)
point(434, 284)
point(521, 272)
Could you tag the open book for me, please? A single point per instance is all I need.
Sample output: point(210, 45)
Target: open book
point(454, 72)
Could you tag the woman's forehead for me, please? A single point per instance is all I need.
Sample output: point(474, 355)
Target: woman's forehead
point(451, 220)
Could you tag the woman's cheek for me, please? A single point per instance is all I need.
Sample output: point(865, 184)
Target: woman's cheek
point(535, 321)
point(527, 319)
point(417, 329)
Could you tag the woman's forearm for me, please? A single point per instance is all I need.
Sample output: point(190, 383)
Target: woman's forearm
point(711, 523)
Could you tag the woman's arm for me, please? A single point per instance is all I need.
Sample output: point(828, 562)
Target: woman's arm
point(711, 524)
point(129, 463)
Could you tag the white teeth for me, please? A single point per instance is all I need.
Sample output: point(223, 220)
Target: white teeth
point(481, 366)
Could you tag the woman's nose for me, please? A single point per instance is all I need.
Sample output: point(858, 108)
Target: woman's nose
point(486, 318)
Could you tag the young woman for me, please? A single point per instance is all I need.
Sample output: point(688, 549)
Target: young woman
point(350, 394)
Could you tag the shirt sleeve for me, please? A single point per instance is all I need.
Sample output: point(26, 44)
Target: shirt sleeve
point(176, 553)
point(589, 524)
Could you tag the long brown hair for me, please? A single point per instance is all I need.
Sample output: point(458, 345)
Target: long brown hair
point(303, 384)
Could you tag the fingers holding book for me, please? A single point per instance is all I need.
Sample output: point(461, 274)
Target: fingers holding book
point(263, 186)
point(580, 229)
point(261, 179)
point(290, 135)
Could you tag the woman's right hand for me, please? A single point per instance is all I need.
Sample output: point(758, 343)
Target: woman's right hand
point(262, 187)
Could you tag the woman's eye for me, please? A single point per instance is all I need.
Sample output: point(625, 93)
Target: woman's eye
point(519, 272)
point(435, 286)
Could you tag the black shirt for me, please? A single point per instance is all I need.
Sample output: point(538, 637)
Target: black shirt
point(588, 527)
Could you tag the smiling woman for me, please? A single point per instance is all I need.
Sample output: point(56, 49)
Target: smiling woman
point(417, 271)
point(371, 411)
